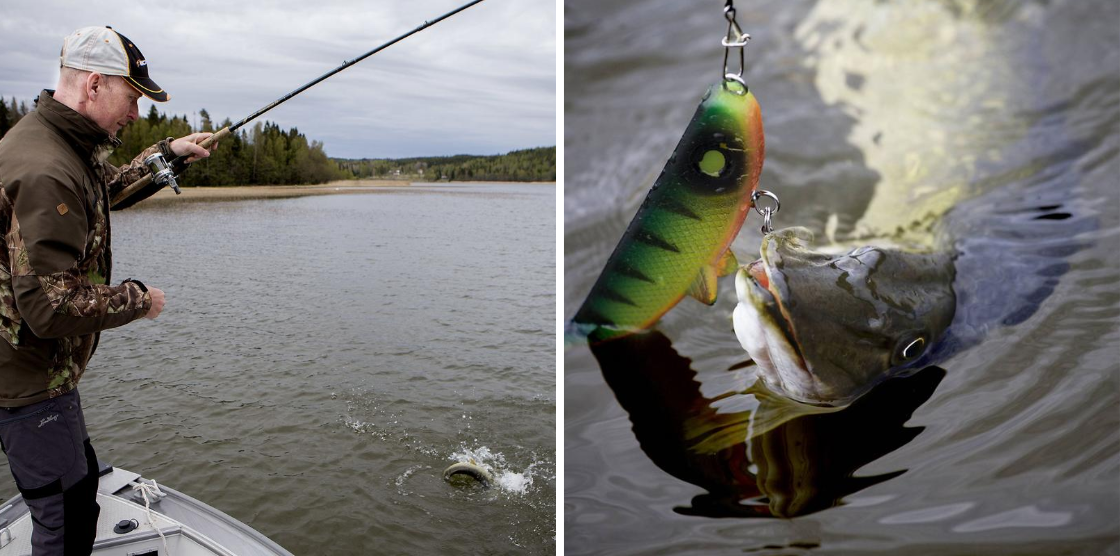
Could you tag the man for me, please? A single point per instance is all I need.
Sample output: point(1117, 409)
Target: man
point(55, 292)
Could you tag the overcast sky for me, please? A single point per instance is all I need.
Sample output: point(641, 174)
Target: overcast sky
point(480, 82)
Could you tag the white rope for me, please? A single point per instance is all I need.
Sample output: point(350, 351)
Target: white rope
point(157, 494)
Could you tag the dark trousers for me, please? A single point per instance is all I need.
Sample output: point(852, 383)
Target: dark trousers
point(55, 470)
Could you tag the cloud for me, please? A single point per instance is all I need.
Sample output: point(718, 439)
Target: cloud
point(481, 82)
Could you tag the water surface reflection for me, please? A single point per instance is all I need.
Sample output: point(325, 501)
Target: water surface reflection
point(756, 453)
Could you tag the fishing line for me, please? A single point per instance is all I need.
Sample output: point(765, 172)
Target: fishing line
point(162, 172)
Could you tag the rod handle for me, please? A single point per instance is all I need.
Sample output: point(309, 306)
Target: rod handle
point(178, 164)
point(217, 136)
point(131, 189)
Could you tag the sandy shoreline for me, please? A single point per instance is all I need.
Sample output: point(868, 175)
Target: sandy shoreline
point(275, 191)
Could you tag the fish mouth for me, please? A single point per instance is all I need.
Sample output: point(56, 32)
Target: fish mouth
point(765, 331)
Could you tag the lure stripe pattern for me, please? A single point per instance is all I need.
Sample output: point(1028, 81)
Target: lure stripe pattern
point(675, 207)
point(649, 238)
point(686, 222)
point(631, 272)
point(618, 298)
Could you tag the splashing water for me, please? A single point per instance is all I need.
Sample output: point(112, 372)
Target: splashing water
point(506, 479)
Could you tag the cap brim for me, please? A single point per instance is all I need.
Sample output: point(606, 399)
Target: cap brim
point(148, 88)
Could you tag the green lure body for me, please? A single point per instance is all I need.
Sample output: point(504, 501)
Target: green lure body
point(678, 242)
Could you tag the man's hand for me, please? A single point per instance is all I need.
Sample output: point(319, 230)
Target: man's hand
point(189, 145)
point(157, 302)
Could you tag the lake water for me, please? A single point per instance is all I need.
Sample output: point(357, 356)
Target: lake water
point(883, 121)
point(321, 360)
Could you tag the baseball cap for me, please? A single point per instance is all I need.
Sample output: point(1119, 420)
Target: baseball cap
point(105, 51)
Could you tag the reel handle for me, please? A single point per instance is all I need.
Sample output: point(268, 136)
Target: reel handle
point(178, 164)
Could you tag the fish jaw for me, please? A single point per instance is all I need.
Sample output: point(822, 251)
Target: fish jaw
point(762, 332)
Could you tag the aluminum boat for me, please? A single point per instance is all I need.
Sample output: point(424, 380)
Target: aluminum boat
point(142, 518)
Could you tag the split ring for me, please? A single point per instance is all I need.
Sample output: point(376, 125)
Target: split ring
point(758, 194)
point(767, 212)
point(737, 79)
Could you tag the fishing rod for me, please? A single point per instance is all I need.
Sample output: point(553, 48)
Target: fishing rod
point(162, 172)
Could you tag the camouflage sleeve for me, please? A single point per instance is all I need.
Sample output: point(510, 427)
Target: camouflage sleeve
point(54, 294)
point(121, 177)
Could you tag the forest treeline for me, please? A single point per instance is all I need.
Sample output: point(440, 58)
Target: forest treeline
point(268, 155)
point(537, 164)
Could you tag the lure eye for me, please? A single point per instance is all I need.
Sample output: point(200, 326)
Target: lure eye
point(710, 167)
point(712, 163)
point(909, 349)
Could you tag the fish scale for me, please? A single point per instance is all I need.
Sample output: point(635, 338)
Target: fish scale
point(678, 241)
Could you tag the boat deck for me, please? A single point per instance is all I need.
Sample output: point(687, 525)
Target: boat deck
point(189, 527)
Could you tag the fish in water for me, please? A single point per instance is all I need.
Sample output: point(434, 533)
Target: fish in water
point(678, 242)
point(468, 469)
point(824, 329)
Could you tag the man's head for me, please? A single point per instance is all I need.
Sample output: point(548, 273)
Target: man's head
point(102, 76)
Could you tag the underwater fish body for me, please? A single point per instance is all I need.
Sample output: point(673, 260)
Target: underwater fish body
point(678, 242)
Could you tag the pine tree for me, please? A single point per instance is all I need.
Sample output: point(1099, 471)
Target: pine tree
point(206, 124)
point(5, 123)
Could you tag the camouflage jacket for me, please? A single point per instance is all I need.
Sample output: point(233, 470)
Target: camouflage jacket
point(54, 213)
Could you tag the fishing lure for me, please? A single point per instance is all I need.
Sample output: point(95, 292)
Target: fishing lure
point(678, 242)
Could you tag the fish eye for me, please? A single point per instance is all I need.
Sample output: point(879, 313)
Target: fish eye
point(909, 349)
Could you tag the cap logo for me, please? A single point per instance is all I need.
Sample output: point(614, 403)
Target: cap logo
point(141, 63)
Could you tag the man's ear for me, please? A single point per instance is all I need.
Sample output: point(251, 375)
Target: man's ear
point(95, 83)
